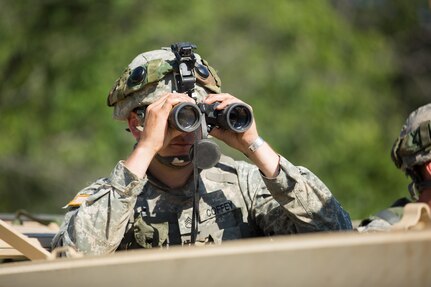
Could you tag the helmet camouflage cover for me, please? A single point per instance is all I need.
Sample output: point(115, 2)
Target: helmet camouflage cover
point(151, 75)
point(413, 146)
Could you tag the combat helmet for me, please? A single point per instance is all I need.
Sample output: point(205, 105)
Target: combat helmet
point(152, 74)
point(413, 146)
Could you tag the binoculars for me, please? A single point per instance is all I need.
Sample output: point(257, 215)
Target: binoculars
point(187, 117)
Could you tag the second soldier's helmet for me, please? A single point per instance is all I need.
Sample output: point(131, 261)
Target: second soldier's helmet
point(151, 75)
point(413, 146)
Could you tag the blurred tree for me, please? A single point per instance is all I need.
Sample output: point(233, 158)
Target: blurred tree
point(406, 25)
point(320, 87)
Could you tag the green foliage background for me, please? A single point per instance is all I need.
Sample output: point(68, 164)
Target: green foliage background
point(331, 83)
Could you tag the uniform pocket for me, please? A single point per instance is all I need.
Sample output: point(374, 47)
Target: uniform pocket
point(222, 227)
point(217, 236)
point(150, 234)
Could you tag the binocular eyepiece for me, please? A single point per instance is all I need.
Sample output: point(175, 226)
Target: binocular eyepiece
point(187, 117)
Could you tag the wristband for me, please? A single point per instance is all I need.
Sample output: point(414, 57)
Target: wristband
point(256, 144)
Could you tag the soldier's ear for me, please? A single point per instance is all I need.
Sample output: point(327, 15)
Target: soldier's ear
point(134, 125)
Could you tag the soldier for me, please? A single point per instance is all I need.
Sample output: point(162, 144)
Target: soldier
point(410, 153)
point(162, 195)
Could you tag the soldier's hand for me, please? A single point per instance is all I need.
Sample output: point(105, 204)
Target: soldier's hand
point(239, 141)
point(156, 133)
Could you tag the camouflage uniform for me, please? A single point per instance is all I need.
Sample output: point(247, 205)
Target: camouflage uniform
point(236, 200)
point(410, 151)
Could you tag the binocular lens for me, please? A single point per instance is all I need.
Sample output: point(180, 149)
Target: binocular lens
point(238, 117)
point(185, 117)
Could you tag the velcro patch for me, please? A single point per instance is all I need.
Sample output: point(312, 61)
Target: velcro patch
point(221, 177)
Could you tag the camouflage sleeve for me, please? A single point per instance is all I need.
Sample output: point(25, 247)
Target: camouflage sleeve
point(375, 225)
point(295, 201)
point(97, 226)
point(384, 219)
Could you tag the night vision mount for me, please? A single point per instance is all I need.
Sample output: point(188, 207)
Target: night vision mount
point(185, 79)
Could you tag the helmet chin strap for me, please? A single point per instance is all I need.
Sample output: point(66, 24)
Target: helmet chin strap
point(416, 188)
point(176, 162)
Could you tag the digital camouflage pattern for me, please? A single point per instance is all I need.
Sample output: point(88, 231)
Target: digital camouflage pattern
point(150, 76)
point(237, 201)
point(413, 145)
